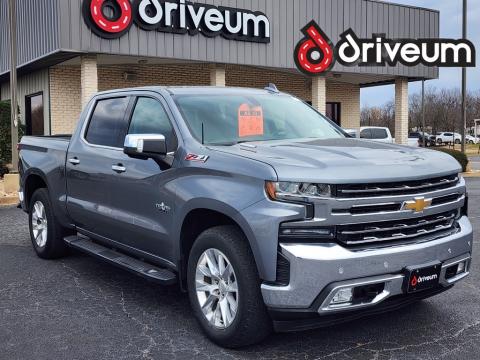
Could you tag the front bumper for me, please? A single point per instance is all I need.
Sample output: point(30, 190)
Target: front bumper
point(316, 268)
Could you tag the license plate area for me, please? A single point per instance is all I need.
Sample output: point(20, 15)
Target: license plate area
point(422, 277)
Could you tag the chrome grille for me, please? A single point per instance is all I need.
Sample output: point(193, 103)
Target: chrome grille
point(396, 188)
point(397, 230)
point(367, 209)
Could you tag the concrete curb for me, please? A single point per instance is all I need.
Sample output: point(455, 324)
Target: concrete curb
point(9, 200)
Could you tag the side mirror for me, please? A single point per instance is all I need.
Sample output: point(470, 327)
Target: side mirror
point(145, 145)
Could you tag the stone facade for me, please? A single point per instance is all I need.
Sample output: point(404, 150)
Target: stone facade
point(88, 78)
point(319, 93)
point(65, 98)
point(349, 97)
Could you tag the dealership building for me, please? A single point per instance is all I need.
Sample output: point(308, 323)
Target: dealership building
point(69, 49)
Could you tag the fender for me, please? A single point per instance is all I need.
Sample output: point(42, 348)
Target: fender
point(223, 208)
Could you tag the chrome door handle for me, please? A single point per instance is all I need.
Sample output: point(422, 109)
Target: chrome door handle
point(119, 168)
point(74, 161)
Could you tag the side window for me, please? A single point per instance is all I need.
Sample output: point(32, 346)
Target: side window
point(365, 134)
point(107, 125)
point(149, 117)
point(379, 134)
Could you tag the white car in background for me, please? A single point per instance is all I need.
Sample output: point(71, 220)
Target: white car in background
point(376, 133)
point(448, 137)
point(469, 139)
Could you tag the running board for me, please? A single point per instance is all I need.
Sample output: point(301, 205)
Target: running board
point(138, 267)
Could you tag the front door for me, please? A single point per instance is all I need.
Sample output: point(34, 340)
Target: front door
point(142, 193)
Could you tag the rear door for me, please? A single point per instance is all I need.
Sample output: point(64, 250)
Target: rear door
point(143, 195)
point(92, 152)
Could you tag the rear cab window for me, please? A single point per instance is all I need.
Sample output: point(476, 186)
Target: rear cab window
point(108, 124)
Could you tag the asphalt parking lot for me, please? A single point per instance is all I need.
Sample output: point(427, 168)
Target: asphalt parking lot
point(80, 308)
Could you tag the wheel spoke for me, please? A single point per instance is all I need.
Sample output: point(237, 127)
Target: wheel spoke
point(232, 287)
point(221, 264)
point(233, 303)
point(204, 270)
point(225, 311)
point(227, 272)
point(210, 256)
point(208, 305)
point(203, 286)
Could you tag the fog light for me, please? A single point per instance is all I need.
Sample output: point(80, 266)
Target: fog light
point(461, 267)
point(342, 296)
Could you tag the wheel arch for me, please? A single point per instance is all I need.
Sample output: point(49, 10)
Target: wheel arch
point(202, 217)
point(34, 180)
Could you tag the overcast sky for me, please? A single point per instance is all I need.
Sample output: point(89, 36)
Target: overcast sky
point(450, 27)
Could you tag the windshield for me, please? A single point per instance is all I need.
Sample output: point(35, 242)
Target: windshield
point(231, 119)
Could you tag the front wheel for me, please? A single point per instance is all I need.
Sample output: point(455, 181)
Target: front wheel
point(457, 141)
point(224, 288)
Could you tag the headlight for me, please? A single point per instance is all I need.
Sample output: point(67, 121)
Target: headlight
point(297, 191)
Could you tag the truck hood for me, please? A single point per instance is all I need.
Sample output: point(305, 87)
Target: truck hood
point(337, 161)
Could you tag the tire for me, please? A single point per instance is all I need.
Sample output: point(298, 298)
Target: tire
point(49, 244)
point(251, 322)
point(439, 141)
point(457, 141)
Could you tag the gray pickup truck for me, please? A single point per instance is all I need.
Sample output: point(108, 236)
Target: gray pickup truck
point(262, 209)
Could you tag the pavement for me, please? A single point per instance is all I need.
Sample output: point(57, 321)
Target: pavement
point(81, 308)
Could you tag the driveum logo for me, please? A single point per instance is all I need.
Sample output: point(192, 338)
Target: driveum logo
point(315, 53)
point(113, 18)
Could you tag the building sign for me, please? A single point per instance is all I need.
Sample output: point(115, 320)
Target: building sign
point(113, 18)
point(315, 53)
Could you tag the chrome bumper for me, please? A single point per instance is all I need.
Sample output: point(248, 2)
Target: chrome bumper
point(314, 267)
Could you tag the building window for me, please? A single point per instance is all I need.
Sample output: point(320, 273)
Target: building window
point(34, 120)
point(334, 112)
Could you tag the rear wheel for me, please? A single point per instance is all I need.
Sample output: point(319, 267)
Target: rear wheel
point(224, 288)
point(45, 232)
point(457, 141)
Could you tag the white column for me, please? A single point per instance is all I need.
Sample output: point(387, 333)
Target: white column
point(217, 75)
point(401, 111)
point(319, 93)
point(88, 77)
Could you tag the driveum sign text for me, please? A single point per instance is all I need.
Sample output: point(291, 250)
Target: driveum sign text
point(113, 18)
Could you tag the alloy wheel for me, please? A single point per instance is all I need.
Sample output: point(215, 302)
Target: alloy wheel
point(216, 288)
point(39, 224)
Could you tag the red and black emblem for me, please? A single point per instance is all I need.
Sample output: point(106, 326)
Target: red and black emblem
point(314, 53)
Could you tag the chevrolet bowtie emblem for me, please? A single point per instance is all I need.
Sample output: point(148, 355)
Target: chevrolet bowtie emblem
point(417, 205)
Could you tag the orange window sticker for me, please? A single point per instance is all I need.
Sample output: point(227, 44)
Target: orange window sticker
point(250, 120)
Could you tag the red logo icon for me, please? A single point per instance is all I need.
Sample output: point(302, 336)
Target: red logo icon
point(113, 17)
point(314, 53)
point(414, 281)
